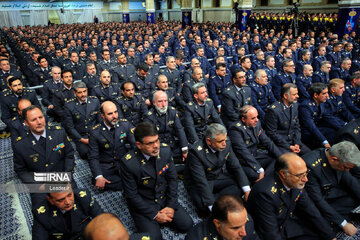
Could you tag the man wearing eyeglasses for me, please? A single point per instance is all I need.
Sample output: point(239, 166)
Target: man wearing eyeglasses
point(150, 184)
point(274, 199)
point(333, 189)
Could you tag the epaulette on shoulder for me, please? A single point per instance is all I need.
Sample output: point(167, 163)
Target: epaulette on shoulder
point(46, 81)
point(172, 108)
point(208, 100)
point(70, 100)
point(123, 120)
point(18, 139)
point(318, 163)
point(137, 94)
point(190, 103)
point(273, 106)
point(96, 126)
point(92, 97)
point(54, 126)
point(228, 89)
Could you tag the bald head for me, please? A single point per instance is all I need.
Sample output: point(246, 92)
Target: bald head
point(106, 226)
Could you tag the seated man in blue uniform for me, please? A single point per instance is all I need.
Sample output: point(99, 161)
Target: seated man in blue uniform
point(352, 95)
point(274, 199)
point(255, 150)
point(45, 148)
point(218, 83)
point(229, 220)
point(337, 115)
point(64, 214)
point(108, 143)
point(285, 76)
point(150, 184)
point(350, 132)
point(282, 121)
point(333, 189)
point(311, 112)
point(212, 170)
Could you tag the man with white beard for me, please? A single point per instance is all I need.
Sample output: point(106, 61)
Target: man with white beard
point(167, 121)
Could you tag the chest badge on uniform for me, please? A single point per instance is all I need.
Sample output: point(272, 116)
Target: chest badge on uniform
point(273, 190)
point(106, 145)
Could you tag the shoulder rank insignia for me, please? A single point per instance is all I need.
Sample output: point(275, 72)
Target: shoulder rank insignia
point(58, 127)
point(164, 144)
point(41, 210)
point(149, 113)
point(145, 238)
point(18, 139)
point(128, 156)
point(199, 148)
point(190, 104)
point(273, 106)
point(54, 213)
point(238, 124)
point(356, 131)
point(82, 194)
point(273, 190)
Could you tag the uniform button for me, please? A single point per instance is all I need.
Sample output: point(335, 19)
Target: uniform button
point(156, 200)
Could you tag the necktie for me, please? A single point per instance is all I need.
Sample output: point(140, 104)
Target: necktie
point(67, 216)
point(42, 142)
point(112, 131)
point(152, 161)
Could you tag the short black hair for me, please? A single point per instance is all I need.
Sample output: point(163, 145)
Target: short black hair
point(66, 71)
point(145, 129)
point(317, 88)
point(29, 108)
point(13, 79)
point(123, 85)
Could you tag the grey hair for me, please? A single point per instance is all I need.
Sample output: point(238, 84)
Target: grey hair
point(53, 68)
point(78, 84)
point(161, 76)
point(346, 152)
point(244, 110)
point(169, 58)
point(258, 73)
point(196, 86)
point(214, 129)
point(155, 93)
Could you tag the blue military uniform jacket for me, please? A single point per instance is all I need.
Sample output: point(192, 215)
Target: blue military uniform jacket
point(62, 95)
point(232, 100)
point(271, 73)
point(79, 120)
point(78, 70)
point(91, 81)
point(30, 156)
point(351, 99)
point(169, 126)
point(173, 78)
point(282, 124)
point(326, 185)
point(245, 142)
point(310, 115)
point(204, 167)
point(320, 76)
point(144, 86)
point(123, 72)
point(272, 208)
point(317, 62)
point(279, 80)
point(106, 149)
point(262, 97)
point(303, 83)
point(197, 118)
point(103, 94)
point(148, 188)
point(334, 58)
point(50, 87)
point(350, 132)
point(9, 103)
point(337, 115)
point(50, 222)
point(133, 109)
point(217, 85)
point(187, 93)
point(340, 73)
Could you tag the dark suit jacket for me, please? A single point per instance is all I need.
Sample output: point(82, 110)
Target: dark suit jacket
point(30, 157)
point(50, 222)
point(326, 185)
point(350, 132)
point(148, 190)
point(271, 207)
point(203, 167)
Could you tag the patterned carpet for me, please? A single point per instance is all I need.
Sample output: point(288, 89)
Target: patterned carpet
point(15, 209)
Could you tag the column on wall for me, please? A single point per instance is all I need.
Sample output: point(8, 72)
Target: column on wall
point(150, 11)
point(125, 11)
point(186, 8)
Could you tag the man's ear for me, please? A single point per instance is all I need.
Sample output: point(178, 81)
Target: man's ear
point(49, 199)
point(138, 144)
point(216, 223)
point(282, 173)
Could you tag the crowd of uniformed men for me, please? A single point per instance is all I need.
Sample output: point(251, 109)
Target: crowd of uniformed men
point(229, 112)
